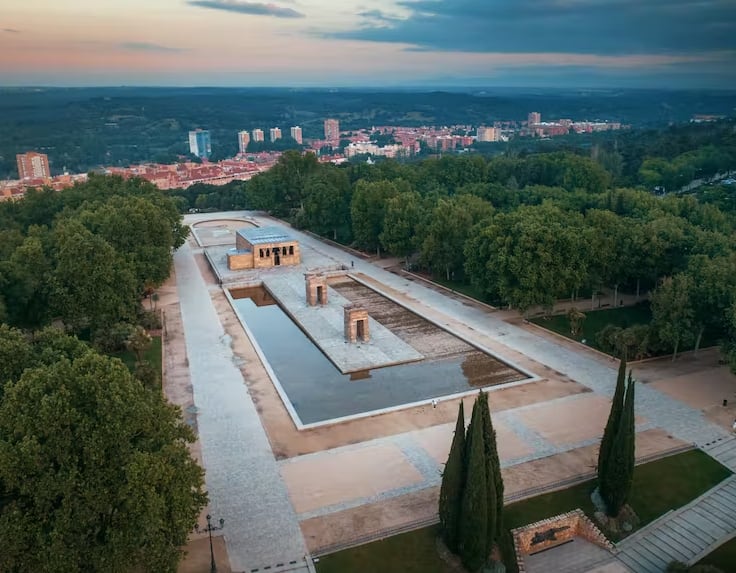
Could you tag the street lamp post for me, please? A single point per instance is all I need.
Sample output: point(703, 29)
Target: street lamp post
point(209, 529)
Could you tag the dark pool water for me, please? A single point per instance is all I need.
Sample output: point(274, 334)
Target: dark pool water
point(320, 392)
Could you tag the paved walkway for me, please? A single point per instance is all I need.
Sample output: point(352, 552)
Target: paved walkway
point(684, 535)
point(243, 479)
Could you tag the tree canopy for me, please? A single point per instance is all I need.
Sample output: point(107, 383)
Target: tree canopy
point(87, 254)
point(95, 470)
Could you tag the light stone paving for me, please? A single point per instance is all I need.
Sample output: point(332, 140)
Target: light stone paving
point(243, 481)
point(325, 326)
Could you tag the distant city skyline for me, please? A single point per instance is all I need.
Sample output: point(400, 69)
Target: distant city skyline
point(546, 43)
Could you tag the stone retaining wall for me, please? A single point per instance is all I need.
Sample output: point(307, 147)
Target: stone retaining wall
point(555, 531)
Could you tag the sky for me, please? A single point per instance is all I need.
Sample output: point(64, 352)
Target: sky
point(681, 44)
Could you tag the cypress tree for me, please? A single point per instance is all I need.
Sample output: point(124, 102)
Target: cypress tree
point(495, 493)
point(473, 538)
point(614, 420)
point(616, 482)
point(453, 481)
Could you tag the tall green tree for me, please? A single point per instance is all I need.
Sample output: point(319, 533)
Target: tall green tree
point(529, 257)
point(493, 472)
point(368, 210)
point(402, 224)
point(672, 311)
point(728, 347)
point(327, 204)
point(449, 226)
point(713, 291)
point(453, 481)
point(614, 420)
point(618, 478)
point(94, 286)
point(15, 355)
point(473, 538)
point(95, 472)
point(145, 229)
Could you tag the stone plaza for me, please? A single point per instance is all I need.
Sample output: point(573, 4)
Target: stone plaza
point(286, 492)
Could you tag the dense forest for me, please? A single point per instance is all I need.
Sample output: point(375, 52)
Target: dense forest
point(85, 128)
point(527, 230)
point(95, 468)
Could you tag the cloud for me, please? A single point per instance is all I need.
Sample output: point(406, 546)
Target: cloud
point(11, 31)
point(619, 27)
point(147, 47)
point(254, 8)
point(378, 15)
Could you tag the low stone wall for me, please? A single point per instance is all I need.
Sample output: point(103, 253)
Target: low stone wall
point(555, 531)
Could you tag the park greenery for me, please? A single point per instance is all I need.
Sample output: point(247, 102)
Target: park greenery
point(95, 470)
point(528, 230)
point(471, 494)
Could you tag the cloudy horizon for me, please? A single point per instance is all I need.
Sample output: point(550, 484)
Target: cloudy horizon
point(547, 43)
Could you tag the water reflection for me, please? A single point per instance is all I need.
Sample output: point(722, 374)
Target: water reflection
point(319, 392)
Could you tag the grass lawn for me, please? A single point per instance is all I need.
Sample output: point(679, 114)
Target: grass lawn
point(596, 320)
point(623, 316)
point(724, 557)
point(152, 355)
point(463, 288)
point(413, 552)
point(661, 485)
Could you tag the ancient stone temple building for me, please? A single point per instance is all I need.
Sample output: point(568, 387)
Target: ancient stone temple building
point(356, 324)
point(316, 286)
point(262, 247)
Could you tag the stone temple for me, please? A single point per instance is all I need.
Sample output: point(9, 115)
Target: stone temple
point(262, 247)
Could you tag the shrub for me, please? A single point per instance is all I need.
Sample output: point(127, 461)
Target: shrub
point(150, 319)
point(113, 338)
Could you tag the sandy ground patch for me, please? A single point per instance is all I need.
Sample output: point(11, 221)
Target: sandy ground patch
point(351, 524)
point(705, 390)
point(437, 440)
point(662, 368)
point(315, 482)
point(197, 559)
point(569, 421)
point(219, 231)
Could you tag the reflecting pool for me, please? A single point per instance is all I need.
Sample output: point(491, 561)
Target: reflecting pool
point(319, 392)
